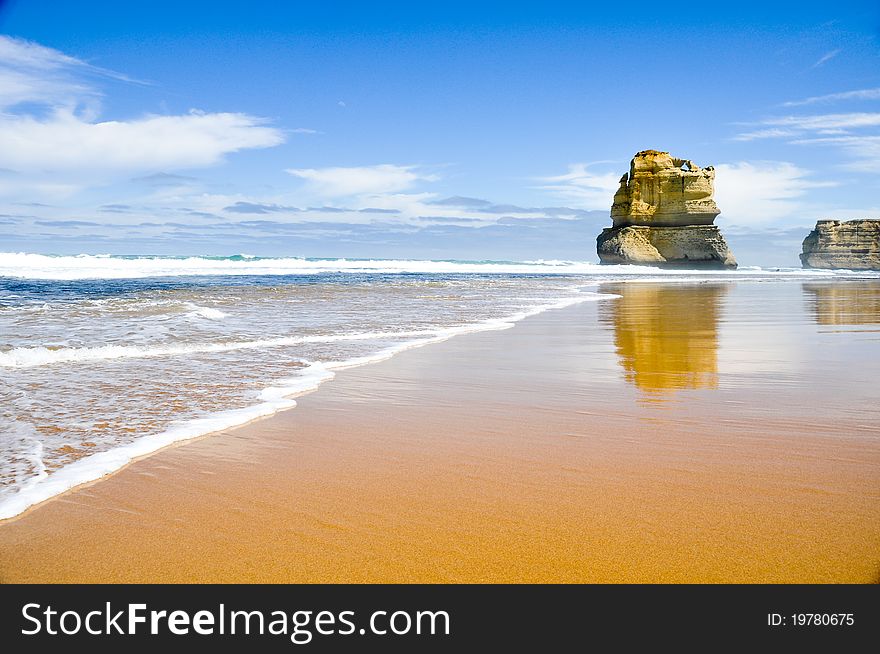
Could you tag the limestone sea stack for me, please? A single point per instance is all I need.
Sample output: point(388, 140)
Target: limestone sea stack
point(847, 244)
point(663, 215)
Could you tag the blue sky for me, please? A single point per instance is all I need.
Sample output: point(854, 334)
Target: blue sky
point(449, 130)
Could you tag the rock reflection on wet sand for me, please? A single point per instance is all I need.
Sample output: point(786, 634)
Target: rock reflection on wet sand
point(844, 303)
point(666, 335)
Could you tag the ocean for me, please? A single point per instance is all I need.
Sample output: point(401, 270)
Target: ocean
point(107, 358)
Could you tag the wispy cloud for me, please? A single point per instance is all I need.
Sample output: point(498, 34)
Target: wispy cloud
point(258, 208)
point(50, 132)
point(787, 126)
point(587, 189)
point(65, 142)
point(115, 208)
point(66, 223)
point(859, 94)
point(33, 73)
point(854, 134)
point(828, 121)
point(828, 56)
point(15, 52)
point(766, 133)
point(459, 201)
point(361, 180)
point(763, 192)
point(864, 150)
point(165, 179)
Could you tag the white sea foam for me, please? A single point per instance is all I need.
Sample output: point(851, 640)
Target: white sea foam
point(271, 399)
point(210, 313)
point(38, 266)
point(36, 459)
point(103, 463)
point(28, 357)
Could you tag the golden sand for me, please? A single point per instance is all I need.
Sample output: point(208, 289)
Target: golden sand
point(495, 457)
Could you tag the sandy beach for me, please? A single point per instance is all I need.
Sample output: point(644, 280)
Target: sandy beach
point(617, 441)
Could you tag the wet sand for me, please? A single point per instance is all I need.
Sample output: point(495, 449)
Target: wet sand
point(680, 433)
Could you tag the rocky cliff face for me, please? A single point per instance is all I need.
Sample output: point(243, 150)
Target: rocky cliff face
point(691, 246)
point(663, 214)
point(851, 244)
point(662, 191)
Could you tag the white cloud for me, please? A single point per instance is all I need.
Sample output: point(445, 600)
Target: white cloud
point(17, 87)
point(757, 193)
point(828, 121)
point(854, 134)
point(803, 129)
point(786, 126)
point(360, 180)
point(828, 56)
point(769, 133)
point(26, 189)
point(872, 213)
point(62, 143)
point(30, 72)
point(587, 189)
point(863, 150)
point(65, 142)
point(27, 74)
point(860, 94)
point(19, 52)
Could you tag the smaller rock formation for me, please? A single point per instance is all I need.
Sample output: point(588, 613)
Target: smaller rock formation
point(663, 214)
point(850, 245)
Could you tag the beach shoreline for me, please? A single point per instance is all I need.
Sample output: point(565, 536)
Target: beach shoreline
point(97, 467)
point(490, 457)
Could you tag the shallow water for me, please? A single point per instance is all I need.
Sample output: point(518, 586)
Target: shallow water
point(103, 359)
point(810, 346)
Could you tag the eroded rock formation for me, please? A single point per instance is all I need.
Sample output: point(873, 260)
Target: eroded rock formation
point(697, 246)
point(662, 191)
point(663, 214)
point(850, 244)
